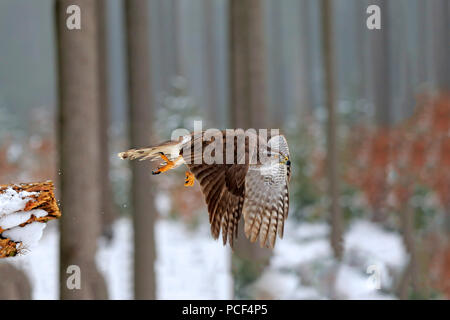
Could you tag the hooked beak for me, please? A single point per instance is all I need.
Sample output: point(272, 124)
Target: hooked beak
point(286, 161)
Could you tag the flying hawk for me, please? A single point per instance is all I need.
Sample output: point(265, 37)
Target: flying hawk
point(239, 173)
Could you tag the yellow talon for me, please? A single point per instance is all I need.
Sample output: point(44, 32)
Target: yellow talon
point(190, 179)
point(169, 165)
point(164, 157)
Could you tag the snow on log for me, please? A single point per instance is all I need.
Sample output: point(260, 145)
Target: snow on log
point(24, 210)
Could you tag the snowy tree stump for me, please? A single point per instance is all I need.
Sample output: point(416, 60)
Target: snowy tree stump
point(24, 210)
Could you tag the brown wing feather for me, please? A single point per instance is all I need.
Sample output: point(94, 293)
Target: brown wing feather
point(223, 187)
point(265, 209)
point(266, 203)
point(223, 198)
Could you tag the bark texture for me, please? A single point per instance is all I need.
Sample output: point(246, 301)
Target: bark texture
point(79, 149)
point(248, 74)
point(332, 157)
point(108, 210)
point(440, 36)
point(248, 85)
point(378, 73)
point(14, 283)
point(137, 24)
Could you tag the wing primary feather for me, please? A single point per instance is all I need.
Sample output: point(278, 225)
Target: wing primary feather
point(264, 229)
point(256, 224)
point(237, 216)
point(217, 217)
point(223, 206)
point(280, 229)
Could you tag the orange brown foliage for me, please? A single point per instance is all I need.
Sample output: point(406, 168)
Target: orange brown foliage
point(415, 151)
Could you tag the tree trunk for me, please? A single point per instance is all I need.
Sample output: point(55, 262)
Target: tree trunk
point(410, 274)
point(361, 47)
point(276, 53)
point(332, 157)
point(379, 67)
point(79, 150)
point(211, 70)
point(137, 23)
point(248, 104)
point(175, 7)
point(14, 283)
point(247, 64)
point(440, 36)
point(108, 210)
point(304, 88)
point(422, 63)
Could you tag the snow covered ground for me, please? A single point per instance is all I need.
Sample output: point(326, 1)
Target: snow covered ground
point(190, 265)
point(303, 266)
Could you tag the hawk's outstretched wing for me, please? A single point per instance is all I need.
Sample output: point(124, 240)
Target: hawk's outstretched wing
point(223, 188)
point(258, 190)
point(266, 204)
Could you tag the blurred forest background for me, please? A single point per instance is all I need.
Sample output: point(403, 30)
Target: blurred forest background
point(366, 112)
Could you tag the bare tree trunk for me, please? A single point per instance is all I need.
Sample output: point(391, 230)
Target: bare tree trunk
point(177, 44)
point(359, 9)
point(79, 150)
point(422, 63)
point(305, 93)
point(211, 70)
point(276, 52)
point(248, 101)
point(332, 157)
point(410, 275)
point(440, 36)
point(108, 210)
point(14, 283)
point(140, 109)
point(248, 64)
point(379, 66)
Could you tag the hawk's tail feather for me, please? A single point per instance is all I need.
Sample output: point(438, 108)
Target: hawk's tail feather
point(141, 154)
point(168, 148)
